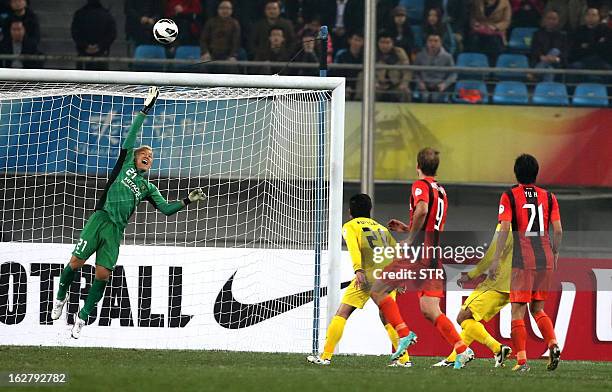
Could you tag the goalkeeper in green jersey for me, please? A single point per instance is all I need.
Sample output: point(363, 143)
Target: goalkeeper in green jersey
point(103, 232)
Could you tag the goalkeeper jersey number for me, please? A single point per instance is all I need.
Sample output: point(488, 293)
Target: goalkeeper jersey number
point(127, 187)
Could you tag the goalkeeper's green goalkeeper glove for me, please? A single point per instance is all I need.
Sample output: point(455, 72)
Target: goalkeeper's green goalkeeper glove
point(150, 99)
point(196, 195)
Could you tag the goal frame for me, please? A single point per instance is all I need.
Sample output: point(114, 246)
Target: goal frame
point(336, 134)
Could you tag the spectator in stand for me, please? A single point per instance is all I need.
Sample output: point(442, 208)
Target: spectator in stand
point(276, 50)
point(259, 38)
point(307, 55)
point(335, 16)
point(187, 16)
point(456, 14)
point(140, 16)
point(570, 12)
point(220, 39)
point(526, 13)
point(549, 45)
point(391, 84)
point(489, 21)
point(351, 55)
point(313, 23)
point(19, 43)
point(432, 85)
point(299, 11)
point(93, 31)
point(589, 43)
point(19, 10)
point(434, 24)
point(400, 27)
point(354, 16)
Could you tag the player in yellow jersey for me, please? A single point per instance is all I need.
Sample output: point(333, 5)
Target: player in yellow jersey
point(362, 234)
point(489, 297)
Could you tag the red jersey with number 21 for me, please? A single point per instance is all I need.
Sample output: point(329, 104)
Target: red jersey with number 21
point(530, 209)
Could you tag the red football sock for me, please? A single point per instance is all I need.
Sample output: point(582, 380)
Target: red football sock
point(392, 314)
point(546, 327)
point(519, 340)
point(448, 331)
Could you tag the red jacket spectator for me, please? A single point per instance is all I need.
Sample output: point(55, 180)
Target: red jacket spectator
point(186, 14)
point(176, 7)
point(526, 13)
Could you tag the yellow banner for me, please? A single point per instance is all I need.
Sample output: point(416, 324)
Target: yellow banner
point(478, 143)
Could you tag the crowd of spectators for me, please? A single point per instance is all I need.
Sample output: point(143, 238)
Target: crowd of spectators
point(570, 34)
point(574, 34)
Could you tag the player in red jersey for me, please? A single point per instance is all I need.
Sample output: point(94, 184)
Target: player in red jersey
point(428, 208)
point(530, 211)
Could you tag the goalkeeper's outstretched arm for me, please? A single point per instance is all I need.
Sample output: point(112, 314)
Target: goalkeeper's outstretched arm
point(158, 201)
point(130, 140)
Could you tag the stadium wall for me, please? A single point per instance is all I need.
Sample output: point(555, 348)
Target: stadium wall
point(168, 297)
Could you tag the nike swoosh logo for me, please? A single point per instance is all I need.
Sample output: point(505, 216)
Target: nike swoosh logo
point(232, 314)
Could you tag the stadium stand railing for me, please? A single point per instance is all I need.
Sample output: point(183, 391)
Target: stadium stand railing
point(573, 87)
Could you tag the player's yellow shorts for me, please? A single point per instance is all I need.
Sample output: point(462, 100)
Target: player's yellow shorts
point(485, 304)
point(357, 298)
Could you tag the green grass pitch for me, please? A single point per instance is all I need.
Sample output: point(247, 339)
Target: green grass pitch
point(99, 369)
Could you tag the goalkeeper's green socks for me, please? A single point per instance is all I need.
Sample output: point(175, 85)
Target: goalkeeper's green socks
point(96, 291)
point(66, 278)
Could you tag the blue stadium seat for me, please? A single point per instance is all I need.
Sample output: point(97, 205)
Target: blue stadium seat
point(520, 38)
point(470, 91)
point(550, 94)
point(469, 59)
point(590, 94)
point(417, 32)
point(511, 93)
point(149, 52)
point(415, 9)
point(186, 52)
point(511, 61)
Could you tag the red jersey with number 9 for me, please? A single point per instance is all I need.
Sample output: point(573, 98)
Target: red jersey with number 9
point(530, 209)
point(429, 191)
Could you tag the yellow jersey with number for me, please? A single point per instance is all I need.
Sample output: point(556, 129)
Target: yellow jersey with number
point(366, 239)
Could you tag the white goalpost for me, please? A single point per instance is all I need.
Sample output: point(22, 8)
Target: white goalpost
point(255, 267)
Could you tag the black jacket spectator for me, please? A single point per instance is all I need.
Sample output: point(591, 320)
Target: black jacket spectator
point(20, 11)
point(17, 42)
point(259, 35)
point(456, 13)
point(399, 26)
point(351, 55)
point(140, 16)
point(93, 31)
point(588, 42)
point(544, 40)
point(275, 50)
point(307, 55)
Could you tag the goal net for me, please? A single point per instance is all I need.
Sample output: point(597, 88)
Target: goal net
point(247, 269)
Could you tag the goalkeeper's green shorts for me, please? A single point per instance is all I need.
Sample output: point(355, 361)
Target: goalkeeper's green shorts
point(102, 236)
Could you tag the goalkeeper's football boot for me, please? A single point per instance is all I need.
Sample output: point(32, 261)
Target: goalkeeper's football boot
point(397, 363)
point(463, 358)
point(502, 355)
point(58, 307)
point(554, 357)
point(317, 360)
point(521, 368)
point(443, 363)
point(77, 327)
point(403, 345)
